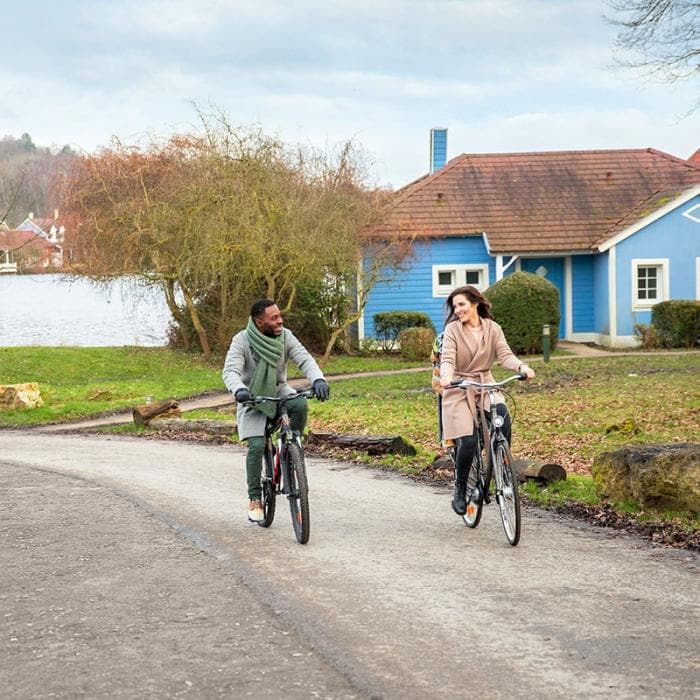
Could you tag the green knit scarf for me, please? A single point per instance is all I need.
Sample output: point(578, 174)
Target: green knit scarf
point(269, 350)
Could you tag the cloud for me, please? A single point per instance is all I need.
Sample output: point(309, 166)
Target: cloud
point(499, 73)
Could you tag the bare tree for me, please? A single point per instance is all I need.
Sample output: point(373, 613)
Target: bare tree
point(661, 37)
point(221, 218)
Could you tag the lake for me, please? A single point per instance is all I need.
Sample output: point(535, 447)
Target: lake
point(56, 309)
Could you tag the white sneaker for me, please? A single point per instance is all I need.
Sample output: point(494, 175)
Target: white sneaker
point(255, 512)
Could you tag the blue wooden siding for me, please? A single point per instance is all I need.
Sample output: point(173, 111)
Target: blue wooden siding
point(601, 315)
point(555, 275)
point(674, 237)
point(583, 294)
point(412, 290)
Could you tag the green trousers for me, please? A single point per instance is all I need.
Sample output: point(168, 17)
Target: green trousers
point(298, 410)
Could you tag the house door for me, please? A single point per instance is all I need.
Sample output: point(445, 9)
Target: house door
point(552, 269)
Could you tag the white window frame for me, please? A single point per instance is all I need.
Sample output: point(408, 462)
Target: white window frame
point(663, 282)
point(459, 273)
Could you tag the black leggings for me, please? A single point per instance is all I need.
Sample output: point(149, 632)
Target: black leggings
point(465, 446)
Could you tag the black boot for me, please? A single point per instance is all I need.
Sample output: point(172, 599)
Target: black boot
point(459, 499)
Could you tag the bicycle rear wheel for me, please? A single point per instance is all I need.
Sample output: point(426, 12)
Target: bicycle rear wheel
point(507, 491)
point(268, 496)
point(473, 515)
point(298, 492)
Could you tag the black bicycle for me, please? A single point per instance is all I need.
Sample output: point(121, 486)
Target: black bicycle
point(284, 468)
point(498, 464)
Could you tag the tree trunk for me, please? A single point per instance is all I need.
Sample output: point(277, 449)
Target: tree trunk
point(372, 444)
point(540, 472)
point(142, 415)
point(196, 322)
point(169, 287)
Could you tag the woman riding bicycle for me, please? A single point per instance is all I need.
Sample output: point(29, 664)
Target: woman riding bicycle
point(472, 342)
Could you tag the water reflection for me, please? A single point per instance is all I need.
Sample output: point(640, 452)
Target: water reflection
point(71, 310)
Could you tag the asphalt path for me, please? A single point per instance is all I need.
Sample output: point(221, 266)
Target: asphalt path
point(129, 569)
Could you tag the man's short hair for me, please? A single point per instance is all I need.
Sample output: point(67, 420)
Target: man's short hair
point(258, 308)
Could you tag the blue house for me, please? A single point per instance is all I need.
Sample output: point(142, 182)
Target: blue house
point(615, 231)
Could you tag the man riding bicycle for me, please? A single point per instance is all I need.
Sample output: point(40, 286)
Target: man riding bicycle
point(256, 364)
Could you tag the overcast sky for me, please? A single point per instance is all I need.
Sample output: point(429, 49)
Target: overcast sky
point(502, 75)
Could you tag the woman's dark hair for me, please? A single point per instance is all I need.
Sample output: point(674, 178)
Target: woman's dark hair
point(483, 305)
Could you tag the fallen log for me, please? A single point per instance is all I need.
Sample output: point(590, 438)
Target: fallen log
point(544, 473)
point(200, 425)
point(371, 444)
point(142, 415)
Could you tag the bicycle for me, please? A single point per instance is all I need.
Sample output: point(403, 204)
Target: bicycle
point(498, 465)
point(284, 468)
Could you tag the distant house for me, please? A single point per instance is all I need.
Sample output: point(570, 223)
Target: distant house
point(28, 251)
point(616, 231)
point(52, 229)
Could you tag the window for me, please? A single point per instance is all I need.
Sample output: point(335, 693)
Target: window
point(449, 277)
point(650, 283)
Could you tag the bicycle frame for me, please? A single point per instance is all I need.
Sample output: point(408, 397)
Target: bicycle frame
point(498, 464)
point(284, 469)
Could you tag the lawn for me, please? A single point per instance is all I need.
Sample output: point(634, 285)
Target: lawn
point(572, 410)
point(79, 382)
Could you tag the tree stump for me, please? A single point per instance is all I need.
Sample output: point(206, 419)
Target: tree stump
point(143, 414)
point(538, 471)
point(371, 444)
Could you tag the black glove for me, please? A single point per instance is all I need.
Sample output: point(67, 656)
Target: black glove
point(243, 395)
point(322, 390)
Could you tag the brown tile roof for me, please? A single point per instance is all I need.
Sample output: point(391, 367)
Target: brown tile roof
point(530, 202)
point(16, 239)
point(695, 158)
point(645, 208)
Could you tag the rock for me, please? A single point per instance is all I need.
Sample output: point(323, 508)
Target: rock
point(664, 477)
point(13, 396)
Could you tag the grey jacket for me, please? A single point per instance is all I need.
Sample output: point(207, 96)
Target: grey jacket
point(239, 368)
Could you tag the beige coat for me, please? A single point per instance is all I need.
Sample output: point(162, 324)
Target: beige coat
point(466, 355)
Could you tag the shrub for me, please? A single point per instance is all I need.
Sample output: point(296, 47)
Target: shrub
point(678, 322)
point(416, 343)
point(388, 325)
point(522, 303)
point(649, 336)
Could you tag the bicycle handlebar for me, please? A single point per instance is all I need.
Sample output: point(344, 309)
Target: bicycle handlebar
point(308, 394)
point(470, 384)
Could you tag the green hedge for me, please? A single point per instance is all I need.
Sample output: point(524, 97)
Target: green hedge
point(416, 343)
point(522, 303)
point(678, 322)
point(388, 324)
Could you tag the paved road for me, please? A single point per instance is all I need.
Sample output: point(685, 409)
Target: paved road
point(128, 568)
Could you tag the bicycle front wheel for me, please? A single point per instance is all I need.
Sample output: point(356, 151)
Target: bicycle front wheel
point(507, 491)
point(298, 492)
point(268, 488)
